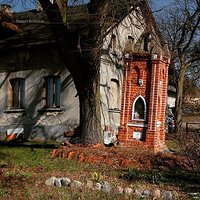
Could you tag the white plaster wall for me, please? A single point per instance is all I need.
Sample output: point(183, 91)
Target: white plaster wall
point(112, 63)
point(38, 125)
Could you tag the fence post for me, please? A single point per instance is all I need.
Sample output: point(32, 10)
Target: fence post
point(186, 128)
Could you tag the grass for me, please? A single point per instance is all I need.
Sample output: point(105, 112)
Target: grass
point(188, 180)
point(25, 167)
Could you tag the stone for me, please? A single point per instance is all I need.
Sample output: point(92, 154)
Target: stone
point(138, 192)
point(50, 181)
point(146, 194)
point(128, 191)
point(106, 187)
point(98, 186)
point(57, 182)
point(120, 190)
point(167, 195)
point(89, 184)
point(75, 184)
point(156, 194)
point(65, 181)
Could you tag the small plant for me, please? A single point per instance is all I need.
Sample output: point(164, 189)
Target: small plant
point(18, 173)
point(157, 177)
point(131, 175)
point(2, 192)
point(154, 176)
point(96, 176)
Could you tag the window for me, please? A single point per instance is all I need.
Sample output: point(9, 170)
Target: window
point(139, 109)
point(114, 42)
point(146, 42)
point(114, 94)
point(53, 90)
point(129, 44)
point(16, 96)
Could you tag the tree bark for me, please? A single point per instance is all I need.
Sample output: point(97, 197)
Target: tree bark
point(179, 95)
point(84, 68)
point(90, 132)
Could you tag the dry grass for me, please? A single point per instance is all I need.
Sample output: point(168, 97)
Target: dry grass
point(24, 169)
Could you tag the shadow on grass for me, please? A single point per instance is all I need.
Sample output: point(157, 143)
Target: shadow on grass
point(189, 181)
point(30, 144)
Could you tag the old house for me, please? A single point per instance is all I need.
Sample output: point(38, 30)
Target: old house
point(38, 96)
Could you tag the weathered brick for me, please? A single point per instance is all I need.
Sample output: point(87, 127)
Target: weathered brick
point(155, 96)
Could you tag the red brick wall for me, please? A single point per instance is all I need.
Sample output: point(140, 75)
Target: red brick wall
point(154, 91)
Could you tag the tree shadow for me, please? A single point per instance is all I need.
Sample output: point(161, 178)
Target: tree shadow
point(188, 181)
point(28, 144)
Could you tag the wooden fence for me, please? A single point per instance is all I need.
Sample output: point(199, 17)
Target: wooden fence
point(193, 127)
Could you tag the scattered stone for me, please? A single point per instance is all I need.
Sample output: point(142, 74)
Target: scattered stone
point(139, 192)
point(156, 194)
point(128, 191)
point(57, 182)
point(50, 181)
point(120, 190)
point(89, 184)
point(65, 181)
point(75, 184)
point(98, 186)
point(167, 195)
point(106, 187)
point(195, 196)
point(146, 194)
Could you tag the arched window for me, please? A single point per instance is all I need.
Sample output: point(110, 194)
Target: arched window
point(139, 109)
point(114, 94)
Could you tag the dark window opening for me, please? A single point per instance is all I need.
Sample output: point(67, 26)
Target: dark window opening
point(53, 91)
point(17, 98)
point(146, 43)
point(114, 42)
point(139, 109)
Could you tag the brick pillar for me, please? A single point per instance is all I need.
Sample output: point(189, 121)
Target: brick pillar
point(123, 132)
point(165, 64)
point(152, 133)
point(155, 136)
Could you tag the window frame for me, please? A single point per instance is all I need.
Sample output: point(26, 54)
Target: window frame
point(53, 107)
point(16, 94)
point(116, 81)
point(113, 43)
point(145, 109)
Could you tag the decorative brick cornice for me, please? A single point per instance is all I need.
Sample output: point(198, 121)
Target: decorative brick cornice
point(137, 56)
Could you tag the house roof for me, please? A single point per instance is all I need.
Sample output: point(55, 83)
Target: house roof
point(35, 29)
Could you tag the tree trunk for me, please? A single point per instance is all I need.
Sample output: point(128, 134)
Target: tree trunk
point(179, 96)
point(90, 132)
point(84, 68)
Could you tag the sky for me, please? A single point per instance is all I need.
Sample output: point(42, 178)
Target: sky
point(21, 5)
